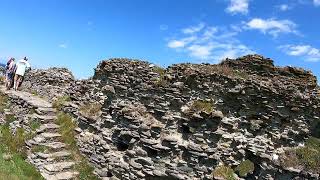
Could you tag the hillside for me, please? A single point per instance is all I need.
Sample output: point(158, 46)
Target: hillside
point(241, 119)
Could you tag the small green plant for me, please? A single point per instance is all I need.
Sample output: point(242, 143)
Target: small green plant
point(2, 79)
point(3, 102)
point(161, 82)
point(307, 156)
point(246, 167)
point(91, 110)
point(15, 143)
point(34, 125)
point(159, 70)
point(33, 92)
point(314, 143)
point(241, 74)
point(9, 118)
point(60, 101)
point(201, 105)
point(39, 148)
point(224, 172)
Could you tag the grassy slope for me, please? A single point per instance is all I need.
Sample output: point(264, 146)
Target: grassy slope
point(67, 126)
point(16, 168)
point(12, 152)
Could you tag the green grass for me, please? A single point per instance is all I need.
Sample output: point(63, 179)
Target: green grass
point(39, 148)
point(34, 125)
point(307, 156)
point(60, 101)
point(9, 118)
point(224, 172)
point(67, 126)
point(161, 82)
point(91, 110)
point(15, 167)
point(3, 102)
point(159, 70)
point(201, 105)
point(246, 167)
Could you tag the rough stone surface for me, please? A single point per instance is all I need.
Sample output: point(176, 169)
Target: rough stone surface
point(183, 121)
point(53, 162)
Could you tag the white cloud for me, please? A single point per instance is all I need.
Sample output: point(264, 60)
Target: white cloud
point(202, 51)
point(238, 6)
point(284, 7)
point(181, 43)
point(193, 29)
point(272, 26)
point(209, 44)
point(316, 2)
point(307, 52)
point(64, 46)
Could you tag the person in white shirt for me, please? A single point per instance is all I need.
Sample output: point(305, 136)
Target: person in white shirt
point(22, 67)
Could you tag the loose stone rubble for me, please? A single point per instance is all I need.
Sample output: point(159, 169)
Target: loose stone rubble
point(150, 126)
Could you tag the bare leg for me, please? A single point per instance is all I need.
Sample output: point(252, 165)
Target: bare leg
point(8, 83)
point(19, 81)
point(15, 84)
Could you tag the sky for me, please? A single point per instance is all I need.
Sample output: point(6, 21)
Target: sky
point(77, 34)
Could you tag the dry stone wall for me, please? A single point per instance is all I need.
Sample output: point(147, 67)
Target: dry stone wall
point(184, 121)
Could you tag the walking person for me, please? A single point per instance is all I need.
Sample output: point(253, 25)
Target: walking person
point(22, 67)
point(10, 71)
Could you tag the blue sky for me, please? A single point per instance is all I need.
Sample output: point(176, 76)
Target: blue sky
point(79, 33)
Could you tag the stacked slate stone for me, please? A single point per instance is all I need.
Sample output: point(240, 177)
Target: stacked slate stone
point(184, 121)
point(2, 70)
point(151, 127)
point(49, 83)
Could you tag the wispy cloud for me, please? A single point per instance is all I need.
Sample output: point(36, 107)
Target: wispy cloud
point(181, 43)
point(273, 27)
point(209, 43)
point(284, 7)
point(238, 7)
point(316, 2)
point(193, 29)
point(307, 52)
point(63, 45)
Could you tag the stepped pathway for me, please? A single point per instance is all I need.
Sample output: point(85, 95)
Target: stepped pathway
point(47, 151)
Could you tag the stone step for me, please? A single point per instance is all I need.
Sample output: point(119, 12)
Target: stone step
point(45, 137)
point(44, 118)
point(60, 154)
point(48, 128)
point(54, 145)
point(50, 135)
point(59, 167)
point(67, 175)
point(61, 176)
point(46, 111)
